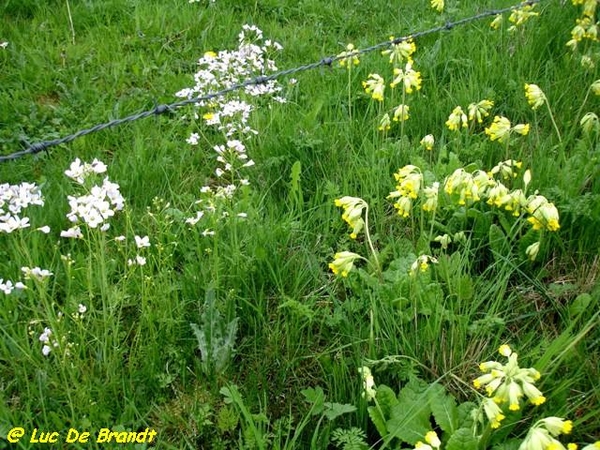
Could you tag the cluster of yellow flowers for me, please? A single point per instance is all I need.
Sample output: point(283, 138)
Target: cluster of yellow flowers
point(517, 17)
point(585, 32)
point(477, 111)
point(465, 188)
point(508, 383)
point(400, 56)
point(349, 57)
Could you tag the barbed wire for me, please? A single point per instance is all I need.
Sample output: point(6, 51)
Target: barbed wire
point(262, 79)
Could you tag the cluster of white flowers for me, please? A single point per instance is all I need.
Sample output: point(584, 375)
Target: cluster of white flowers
point(3, 44)
point(230, 114)
point(48, 341)
point(13, 200)
point(36, 273)
point(95, 207)
point(8, 286)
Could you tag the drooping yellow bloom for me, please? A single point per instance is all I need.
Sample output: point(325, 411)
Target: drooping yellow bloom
point(438, 5)
point(444, 240)
point(375, 86)
point(428, 141)
point(408, 77)
point(400, 51)
point(596, 87)
point(343, 263)
point(480, 110)
point(498, 19)
point(521, 15)
point(431, 197)
point(384, 123)
point(401, 113)
point(457, 119)
point(349, 57)
point(421, 264)
point(594, 446)
point(535, 96)
point(543, 213)
point(353, 209)
point(506, 169)
point(409, 180)
point(493, 413)
point(499, 130)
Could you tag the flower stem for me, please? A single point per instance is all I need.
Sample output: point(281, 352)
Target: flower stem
point(553, 121)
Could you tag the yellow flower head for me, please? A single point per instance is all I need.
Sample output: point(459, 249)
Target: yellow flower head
point(543, 213)
point(349, 57)
point(457, 119)
point(409, 180)
point(532, 251)
point(384, 123)
point(535, 96)
point(493, 413)
point(375, 86)
point(557, 426)
point(369, 392)
point(438, 5)
point(408, 77)
point(477, 111)
point(431, 197)
point(401, 113)
point(421, 264)
point(498, 19)
point(428, 141)
point(353, 208)
point(400, 51)
point(499, 130)
point(521, 15)
point(343, 263)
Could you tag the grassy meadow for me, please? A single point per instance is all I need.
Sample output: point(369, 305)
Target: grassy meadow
point(296, 269)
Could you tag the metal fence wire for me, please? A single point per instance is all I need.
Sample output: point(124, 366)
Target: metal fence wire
point(323, 62)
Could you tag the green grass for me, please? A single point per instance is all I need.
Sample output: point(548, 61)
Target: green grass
point(135, 361)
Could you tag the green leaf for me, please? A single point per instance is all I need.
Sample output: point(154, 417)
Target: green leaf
point(334, 410)
point(443, 408)
point(462, 439)
point(386, 399)
point(316, 396)
point(409, 420)
point(465, 420)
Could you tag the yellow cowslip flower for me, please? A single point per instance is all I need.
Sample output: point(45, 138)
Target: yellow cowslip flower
point(543, 213)
point(557, 426)
point(537, 438)
point(427, 142)
point(409, 180)
point(590, 123)
point(353, 208)
point(349, 57)
point(532, 393)
point(521, 15)
point(375, 86)
point(493, 413)
point(505, 169)
point(505, 350)
point(589, 8)
point(343, 263)
point(384, 123)
point(480, 110)
point(210, 55)
point(404, 206)
point(401, 113)
point(535, 96)
point(431, 197)
point(438, 5)
point(594, 446)
point(421, 264)
point(400, 51)
point(499, 130)
point(498, 19)
point(457, 119)
point(521, 128)
point(408, 77)
point(596, 87)
point(422, 446)
point(369, 391)
point(532, 251)
point(432, 439)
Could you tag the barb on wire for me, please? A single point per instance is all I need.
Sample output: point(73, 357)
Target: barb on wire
point(325, 61)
